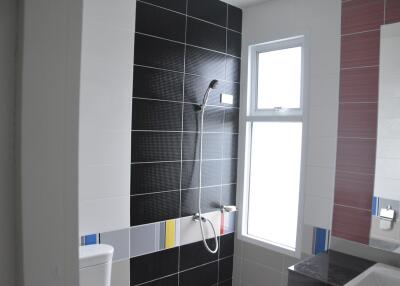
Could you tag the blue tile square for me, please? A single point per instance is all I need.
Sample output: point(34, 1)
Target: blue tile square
point(320, 237)
point(90, 239)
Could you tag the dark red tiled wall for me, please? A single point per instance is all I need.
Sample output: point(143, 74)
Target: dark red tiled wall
point(358, 109)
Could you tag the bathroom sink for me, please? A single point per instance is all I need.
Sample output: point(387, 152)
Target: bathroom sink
point(377, 275)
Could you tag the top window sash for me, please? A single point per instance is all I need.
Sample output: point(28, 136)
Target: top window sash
point(254, 52)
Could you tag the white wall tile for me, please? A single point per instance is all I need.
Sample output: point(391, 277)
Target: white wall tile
point(320, 181)
point(105, 147)
point(257, 274)
point(119, 240)
point(103, 215)
point(119, 14)
point(120, 274)
point(260, 255)
point(143, 239)
point(322, 121)
point(105, 114)
point(104, 181)
point(318, 211)
point(190, 230)
point(321, 151)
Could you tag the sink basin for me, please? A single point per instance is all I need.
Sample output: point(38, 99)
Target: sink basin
point(377, 275)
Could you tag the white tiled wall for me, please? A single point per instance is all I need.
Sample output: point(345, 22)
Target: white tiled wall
point(319, 21)
point(105, 115)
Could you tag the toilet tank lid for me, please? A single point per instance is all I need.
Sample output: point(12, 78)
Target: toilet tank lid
point(91, 255)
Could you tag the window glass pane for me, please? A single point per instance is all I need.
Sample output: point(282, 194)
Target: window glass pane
point(279, 79)
point(275, 182)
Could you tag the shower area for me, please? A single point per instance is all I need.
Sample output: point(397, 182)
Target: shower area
point(176, 225)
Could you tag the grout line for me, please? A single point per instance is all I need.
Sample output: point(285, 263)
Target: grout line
point(186, 270)
point(358, 138)
point(190, 16)
point(177, 161)
point(186, 44)
point(182, 124)
point(191, 74)
point(361, 32)
point(188, 131)
point(360, 67)
point(183, 102)
point(351, 207)
point(185, 189)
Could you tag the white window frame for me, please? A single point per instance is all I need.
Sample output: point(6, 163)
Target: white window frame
point(249, 114)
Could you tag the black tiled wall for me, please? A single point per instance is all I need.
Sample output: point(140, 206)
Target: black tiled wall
point(188, 265)
point(180, 46)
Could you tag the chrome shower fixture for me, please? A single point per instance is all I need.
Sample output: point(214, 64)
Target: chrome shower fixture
point(198, 217)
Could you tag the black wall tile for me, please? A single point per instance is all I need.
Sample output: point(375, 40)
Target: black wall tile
point(176, 5)
point(155, 146)
point(152, 266)
point(209, 10)
point(195, 254)
point(205, 63)
point(156, 115)
point(157, 84)
point(230, 146)
point(226, 283)
point(158, 53)
point(225, 268)
point(211, 174)
point(234, 45)
point(234, 18)
point(168, 281)
point(169, 25)
point(205, 35)
point(210, 200)
point(213, 119)
point(228, 196)
point(229, 170)
point(231, 120)
point(232, 69)
point(227, 243)
point(212, 146)
point(157, 169)
point(154, 207)
point(155, 177)
point(206, 275)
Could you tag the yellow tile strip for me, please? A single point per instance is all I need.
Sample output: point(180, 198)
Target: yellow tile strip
point(169, 233)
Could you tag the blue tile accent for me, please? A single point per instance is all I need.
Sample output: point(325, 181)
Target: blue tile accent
point(90, 239)
point(320, 235)
point(375, 206)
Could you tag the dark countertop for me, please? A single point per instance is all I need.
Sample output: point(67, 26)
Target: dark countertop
point(331, 268)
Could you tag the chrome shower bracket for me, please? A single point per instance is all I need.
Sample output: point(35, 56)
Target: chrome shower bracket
point(196, 217)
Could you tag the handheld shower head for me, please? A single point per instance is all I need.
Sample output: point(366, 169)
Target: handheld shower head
point(213, 85)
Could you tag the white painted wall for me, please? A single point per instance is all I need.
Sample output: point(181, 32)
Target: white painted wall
point(48, 132)
point(8, 50)
point(106, 115)
point(319, 20)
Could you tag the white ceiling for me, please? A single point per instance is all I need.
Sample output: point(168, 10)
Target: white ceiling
point(244, 3)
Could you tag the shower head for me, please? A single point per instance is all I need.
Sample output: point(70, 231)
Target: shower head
point(213, 84)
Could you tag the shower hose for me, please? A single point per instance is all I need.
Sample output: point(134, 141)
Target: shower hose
point(200, 217)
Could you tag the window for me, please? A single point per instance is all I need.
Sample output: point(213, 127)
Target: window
point(272, 145)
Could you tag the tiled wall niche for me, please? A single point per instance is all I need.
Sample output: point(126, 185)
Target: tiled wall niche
point(358, 108)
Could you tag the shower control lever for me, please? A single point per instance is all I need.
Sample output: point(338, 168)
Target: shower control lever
point(228, 209)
